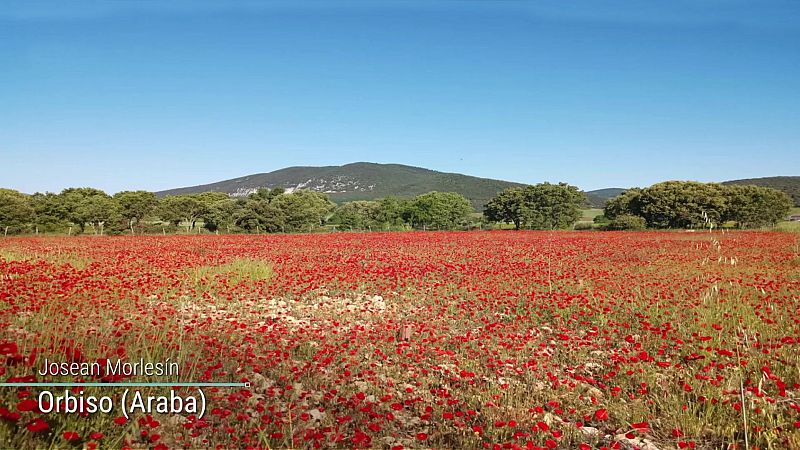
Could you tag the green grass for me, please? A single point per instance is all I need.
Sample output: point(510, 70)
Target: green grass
point(588, 215)
point(242, 270)
point(789, 226)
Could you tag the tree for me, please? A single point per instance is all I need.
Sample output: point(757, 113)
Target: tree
point(88, 206)
point(506, 207)
point(50, 212)
point(258, 216)
point(209, 197)
point(16, 211)
point(134, 206)
point(391, 211)
point(303, 210)
point(181, 208)
point(258, 213)
point(221, 214)
point(682, 204)
point(97, 210)
point(690, 204)
point(756, 206)
point(790, 185)
point(359, 215)
point(542, 206)
point(266, 194)
point(552, 206)
point(628, 202)
point(439, 210)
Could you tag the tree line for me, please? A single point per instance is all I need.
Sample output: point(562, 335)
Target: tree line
point(92, 211)
point(544, 206)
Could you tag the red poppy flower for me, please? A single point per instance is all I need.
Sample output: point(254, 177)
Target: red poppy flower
point(37, 425)
point(8, 348)
point(70, 436)
point(27, 405)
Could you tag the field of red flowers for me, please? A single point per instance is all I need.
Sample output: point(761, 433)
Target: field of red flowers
point(414, 340)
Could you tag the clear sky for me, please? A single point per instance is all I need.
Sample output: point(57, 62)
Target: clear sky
point(154, 95)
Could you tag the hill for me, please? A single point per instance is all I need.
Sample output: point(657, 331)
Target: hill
point(599, 197)
point(359, 181)
point(790, 185)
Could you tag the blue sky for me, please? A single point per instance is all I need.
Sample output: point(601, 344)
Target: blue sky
point(154, 95)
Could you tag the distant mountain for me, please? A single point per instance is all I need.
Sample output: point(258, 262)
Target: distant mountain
point(359, 181)
point(599, 197)
point(790, 185)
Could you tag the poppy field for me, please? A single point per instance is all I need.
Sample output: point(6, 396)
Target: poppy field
point(501, 339)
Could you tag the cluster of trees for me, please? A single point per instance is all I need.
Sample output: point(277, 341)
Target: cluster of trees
point(431, 211)
point(267, 210)
point(542, 206)
point(81, 207)
point(89, 209)
point(689, 204)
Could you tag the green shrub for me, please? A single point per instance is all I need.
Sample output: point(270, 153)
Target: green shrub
point(627, 222)
point(601, 220)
